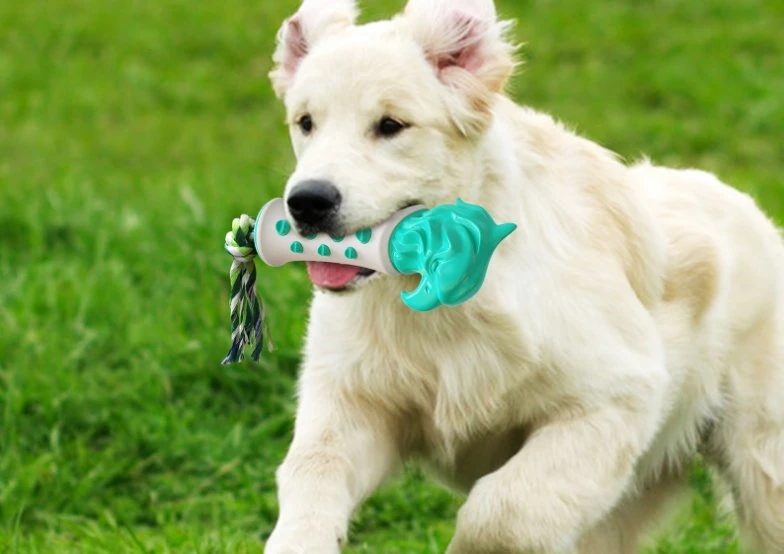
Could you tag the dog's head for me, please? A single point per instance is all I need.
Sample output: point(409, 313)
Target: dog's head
point(387, 114)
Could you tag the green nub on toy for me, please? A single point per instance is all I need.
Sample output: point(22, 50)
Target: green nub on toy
point(450, 246)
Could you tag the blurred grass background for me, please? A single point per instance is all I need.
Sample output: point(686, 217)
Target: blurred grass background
point(131, 133)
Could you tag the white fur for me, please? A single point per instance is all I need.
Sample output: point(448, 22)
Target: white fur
point(634, 320)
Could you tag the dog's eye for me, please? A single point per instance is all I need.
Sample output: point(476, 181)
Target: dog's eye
point(389, 127)
point(305, 124)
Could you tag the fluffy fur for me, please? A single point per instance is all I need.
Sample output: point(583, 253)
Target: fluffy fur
point(634, 320)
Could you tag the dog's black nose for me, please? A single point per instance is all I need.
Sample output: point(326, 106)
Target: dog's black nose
point(313, 203)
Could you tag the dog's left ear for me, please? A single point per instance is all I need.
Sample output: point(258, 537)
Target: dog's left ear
point(299, 33)
point(465, 43)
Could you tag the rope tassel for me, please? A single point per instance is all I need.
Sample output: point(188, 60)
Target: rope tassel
point(248, 325)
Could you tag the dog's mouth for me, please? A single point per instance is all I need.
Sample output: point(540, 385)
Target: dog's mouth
point(337, 277)
point(341, 277)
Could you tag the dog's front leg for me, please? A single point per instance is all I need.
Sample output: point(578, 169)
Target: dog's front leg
point(568, 475)
point(342, 450)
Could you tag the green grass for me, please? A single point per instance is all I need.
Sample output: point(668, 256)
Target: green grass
point(130, 135)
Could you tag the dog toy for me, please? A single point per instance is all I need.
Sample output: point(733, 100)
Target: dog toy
point(450, 246)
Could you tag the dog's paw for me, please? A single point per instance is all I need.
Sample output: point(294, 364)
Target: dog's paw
point(499, 518)
point(303, 539)
point(301, 545)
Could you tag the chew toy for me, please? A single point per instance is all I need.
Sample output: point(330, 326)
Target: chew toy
point(450, 246)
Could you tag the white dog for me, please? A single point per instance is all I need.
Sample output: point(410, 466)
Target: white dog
point(634, 319)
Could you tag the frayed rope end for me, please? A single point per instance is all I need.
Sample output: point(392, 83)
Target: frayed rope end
point(248, 314)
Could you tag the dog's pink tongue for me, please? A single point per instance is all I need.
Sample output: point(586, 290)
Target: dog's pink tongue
point(331, 276)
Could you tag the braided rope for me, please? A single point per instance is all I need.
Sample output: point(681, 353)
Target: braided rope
point(248, 325)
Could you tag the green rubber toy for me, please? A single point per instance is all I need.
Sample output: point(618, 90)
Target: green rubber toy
point(450, 246)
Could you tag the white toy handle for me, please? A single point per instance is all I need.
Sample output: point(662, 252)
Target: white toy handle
point(278, 242)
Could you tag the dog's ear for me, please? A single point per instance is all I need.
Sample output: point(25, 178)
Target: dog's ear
point(299, 33)
point(466, 45)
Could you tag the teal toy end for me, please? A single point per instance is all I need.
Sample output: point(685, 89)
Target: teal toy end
point(451, 247)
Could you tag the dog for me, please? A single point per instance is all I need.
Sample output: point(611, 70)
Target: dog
point(632, 322)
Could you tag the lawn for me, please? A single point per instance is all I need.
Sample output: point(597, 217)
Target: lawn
point(131, 133)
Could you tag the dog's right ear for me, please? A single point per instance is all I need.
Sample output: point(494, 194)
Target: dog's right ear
point(466, 35)
point(466, 45)
point(299, 33)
